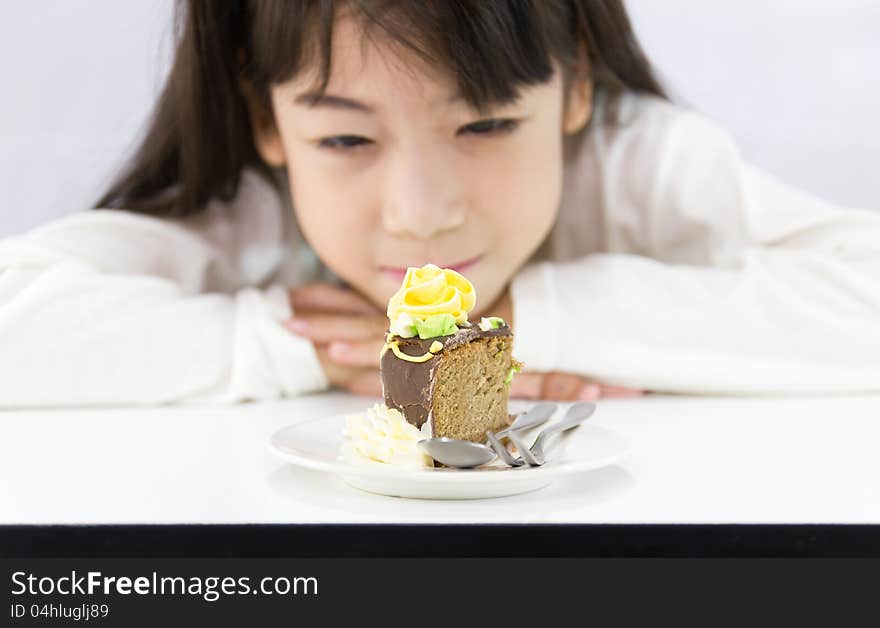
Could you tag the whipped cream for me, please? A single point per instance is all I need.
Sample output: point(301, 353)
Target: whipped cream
point(403, 325)
point(382, 434)
point(493, 322)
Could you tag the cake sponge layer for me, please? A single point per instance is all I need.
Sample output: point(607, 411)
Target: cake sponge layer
point(470, 396)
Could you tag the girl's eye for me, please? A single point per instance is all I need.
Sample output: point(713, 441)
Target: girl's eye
point(343, 142)
point(494, 126)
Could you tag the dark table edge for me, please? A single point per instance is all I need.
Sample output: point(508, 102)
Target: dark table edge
point(446, 540)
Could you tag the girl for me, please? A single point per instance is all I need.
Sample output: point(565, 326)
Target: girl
point(303, 154)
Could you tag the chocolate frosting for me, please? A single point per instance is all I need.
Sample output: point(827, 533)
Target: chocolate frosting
point(409, 386)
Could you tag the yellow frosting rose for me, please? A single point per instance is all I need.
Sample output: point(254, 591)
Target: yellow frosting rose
point(430, 290)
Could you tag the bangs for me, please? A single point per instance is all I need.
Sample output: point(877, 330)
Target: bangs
point(490, 49)
point(200, 137)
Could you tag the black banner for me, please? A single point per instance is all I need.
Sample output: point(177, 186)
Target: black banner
point(458, 592)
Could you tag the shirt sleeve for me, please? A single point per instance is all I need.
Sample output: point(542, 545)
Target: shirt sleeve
point(735, 284)
point(108, 308)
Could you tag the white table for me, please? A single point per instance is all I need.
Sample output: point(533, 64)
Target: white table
point(693, 460)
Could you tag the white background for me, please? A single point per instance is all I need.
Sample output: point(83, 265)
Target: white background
point(773, 459)
point(796, 81)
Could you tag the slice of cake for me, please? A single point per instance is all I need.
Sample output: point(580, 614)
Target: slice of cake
point(440, 369)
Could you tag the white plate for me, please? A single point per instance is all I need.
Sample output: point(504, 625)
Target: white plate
point(316, 444)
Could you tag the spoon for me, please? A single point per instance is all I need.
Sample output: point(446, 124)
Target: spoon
point(453, 452)
point(465, 454)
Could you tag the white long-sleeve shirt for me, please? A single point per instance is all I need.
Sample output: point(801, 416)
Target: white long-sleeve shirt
point(673, 267)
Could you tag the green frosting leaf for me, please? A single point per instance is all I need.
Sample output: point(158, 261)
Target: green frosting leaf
point(513, 369)
point(437, 325)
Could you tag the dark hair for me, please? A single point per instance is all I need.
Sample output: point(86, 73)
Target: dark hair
point(199, 138)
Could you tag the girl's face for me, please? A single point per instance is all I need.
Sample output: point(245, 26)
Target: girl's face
point(390, 168)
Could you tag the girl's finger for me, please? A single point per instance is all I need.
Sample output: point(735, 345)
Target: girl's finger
point(526, 386)
point(555, 386)
point(567, 387)
point(356, 352)
point(329, 298)
point(324, 328)
point(341, 375)
point(365, 384)
point(620, 391)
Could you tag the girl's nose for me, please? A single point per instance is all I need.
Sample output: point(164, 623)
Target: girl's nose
point(423, 197)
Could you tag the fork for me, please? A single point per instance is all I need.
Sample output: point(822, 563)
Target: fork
point(502, 451)
point(537, 414)
point(534, 455)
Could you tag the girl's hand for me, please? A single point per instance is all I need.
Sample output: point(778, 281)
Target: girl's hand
point(565, 387)
point(556, 386)
point(348, 333)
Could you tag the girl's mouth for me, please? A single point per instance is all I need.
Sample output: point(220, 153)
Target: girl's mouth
point(397, 273)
